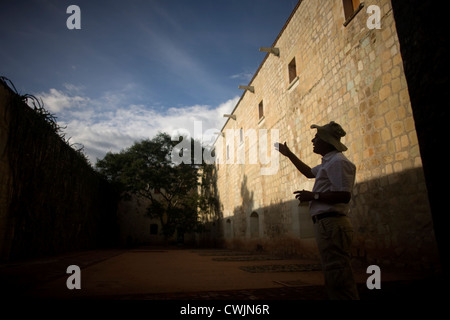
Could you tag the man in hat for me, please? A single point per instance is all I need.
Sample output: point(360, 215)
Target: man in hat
point(329, 206)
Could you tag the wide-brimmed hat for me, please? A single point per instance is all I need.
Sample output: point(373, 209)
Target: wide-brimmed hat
point(331, 133)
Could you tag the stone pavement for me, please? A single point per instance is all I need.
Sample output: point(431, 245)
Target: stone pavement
point(157, 273)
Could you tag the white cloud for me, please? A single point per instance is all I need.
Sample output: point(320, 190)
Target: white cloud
point(108, 124)
point(245, 76)
point(57, 101)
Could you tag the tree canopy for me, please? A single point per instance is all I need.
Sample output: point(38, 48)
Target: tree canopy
point(146, 169)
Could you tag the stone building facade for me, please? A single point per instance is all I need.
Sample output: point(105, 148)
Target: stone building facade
point(135, 227)
point(329, 62)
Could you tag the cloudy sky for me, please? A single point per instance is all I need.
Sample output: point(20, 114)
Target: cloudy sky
point(136, 67)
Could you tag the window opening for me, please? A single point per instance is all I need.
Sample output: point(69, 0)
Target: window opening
point(292, 70)
point(261, 109)
point(351, 8)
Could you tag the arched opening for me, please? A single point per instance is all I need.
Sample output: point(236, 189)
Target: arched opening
point(254, 225)
point(228, 230)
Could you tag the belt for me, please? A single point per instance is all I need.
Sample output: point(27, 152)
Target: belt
point(324, 215)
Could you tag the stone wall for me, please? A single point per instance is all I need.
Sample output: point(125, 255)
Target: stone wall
point(135, 227)
point(51, 199)
point(422, 30)
point(350, 74)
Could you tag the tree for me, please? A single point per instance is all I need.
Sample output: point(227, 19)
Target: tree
point(145, 169)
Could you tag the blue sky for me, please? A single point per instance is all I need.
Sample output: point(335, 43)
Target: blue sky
point(136, 67)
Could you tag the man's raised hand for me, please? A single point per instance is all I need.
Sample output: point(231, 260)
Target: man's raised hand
point(282, 148)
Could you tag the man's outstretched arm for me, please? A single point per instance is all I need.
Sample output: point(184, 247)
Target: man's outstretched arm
point(300, 165)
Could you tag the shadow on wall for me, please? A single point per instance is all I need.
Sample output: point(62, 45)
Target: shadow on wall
point(393, 222)
point(390, 215)
point(243, 212)
point(210, 233)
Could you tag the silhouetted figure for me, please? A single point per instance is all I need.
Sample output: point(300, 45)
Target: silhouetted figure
point(329, 206)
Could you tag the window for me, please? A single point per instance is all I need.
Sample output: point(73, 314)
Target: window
point(228, 152)
point(292, 70)
point(351, 8)
point(261, 110)
point(241, 135)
